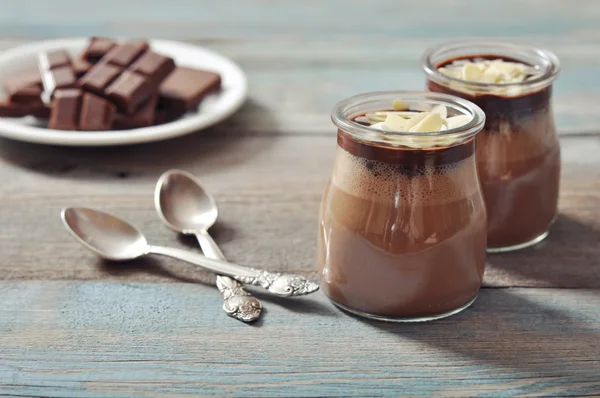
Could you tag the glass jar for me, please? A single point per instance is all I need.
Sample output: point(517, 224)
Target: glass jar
point(518, 153)
point(402, 229)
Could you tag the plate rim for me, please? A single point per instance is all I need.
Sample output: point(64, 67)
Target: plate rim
point(26, 133)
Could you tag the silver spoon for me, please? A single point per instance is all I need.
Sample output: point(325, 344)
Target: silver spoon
point(113, 239)
point(185, 207)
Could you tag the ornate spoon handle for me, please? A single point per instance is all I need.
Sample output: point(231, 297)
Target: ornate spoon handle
point(283, 285)
point(238, 303)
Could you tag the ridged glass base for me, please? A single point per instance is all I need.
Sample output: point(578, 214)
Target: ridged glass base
point(401, 319)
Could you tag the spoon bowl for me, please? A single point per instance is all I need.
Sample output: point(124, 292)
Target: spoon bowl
point(183, 204)
point(106, 236)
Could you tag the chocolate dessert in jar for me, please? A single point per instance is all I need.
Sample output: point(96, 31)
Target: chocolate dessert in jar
point(402, 226)
point(518, 153)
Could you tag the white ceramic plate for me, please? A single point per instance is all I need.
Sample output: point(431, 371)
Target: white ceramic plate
point(213, 109)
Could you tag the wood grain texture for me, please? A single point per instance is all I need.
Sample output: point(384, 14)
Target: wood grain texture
point(111, 334)
point(139, 340)
point(268, 189)
point(294, 83)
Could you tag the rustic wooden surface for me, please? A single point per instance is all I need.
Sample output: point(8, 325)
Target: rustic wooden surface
point(88, 339)
point(74, 326)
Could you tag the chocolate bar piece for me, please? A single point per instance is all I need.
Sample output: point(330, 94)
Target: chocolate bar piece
point(15, 109)
point(98, 48)
point(141, 79)
point(129, 91)
point(166, 116)
point(24, 88)
point(154, 66)
point(99, 77)
point(53, 60)
point(9, 109)
point(128, 75)
point(62, 77)
point(27, 95)
point(80, 67)
point(96, 113)
point(41, 111)
point(22, 80)
point(56, 70)
point(66, 106)
point(184, 88)
point(143, 117)
point(124, 54)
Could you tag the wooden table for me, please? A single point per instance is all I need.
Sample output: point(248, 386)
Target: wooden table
point(73, 326)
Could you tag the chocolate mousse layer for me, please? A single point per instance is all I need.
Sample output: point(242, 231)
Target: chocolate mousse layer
point(405, 157)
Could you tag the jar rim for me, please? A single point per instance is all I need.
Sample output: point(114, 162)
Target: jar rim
point(344, 111)
point(547, 58)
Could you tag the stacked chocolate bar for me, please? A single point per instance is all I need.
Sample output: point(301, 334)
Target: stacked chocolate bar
point(112, 86)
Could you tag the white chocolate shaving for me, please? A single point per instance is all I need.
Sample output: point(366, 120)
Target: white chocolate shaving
point(441, 109)
point(395, 122)
point(431, 122)
point(495, 71)
point(405, 121)
point(413, 121)
point(491, 75)
point(457, 121)
point(400, 105)
point(471, 72)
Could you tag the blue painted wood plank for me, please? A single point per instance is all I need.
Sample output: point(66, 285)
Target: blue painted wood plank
point(73, 339)
point(307, 19)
